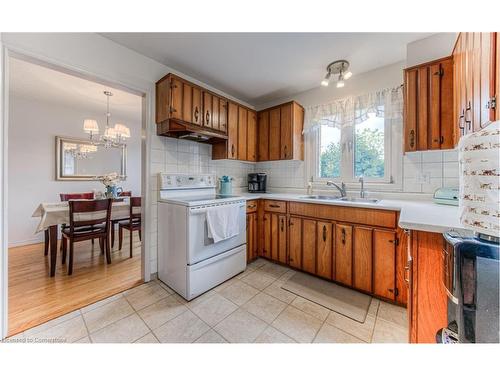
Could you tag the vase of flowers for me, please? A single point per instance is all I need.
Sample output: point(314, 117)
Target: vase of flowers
point(110, 182)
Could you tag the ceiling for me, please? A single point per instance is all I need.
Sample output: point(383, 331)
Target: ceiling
point(41, 83)
point(260, 67)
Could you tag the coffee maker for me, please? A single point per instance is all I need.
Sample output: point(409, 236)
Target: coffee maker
point(257, 182)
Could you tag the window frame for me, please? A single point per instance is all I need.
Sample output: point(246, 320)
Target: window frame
point(347, 139)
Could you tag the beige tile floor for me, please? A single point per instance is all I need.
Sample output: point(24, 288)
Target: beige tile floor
point(251, 307)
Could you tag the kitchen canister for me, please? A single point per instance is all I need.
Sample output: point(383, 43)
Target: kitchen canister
point(225, 185)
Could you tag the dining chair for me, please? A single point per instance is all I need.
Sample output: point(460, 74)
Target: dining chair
point(65, 197)
point(87, 220)
point(132, 224)
point(116, 221)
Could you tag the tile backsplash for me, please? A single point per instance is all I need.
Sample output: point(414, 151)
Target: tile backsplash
point(424, 172)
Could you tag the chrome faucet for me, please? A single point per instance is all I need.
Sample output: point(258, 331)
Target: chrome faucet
point(362, 191)
point(341, 188)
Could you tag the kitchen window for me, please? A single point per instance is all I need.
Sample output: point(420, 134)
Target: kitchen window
point(346, 154)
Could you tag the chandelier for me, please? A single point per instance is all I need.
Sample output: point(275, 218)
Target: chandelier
point(340, 67)
point(113, 136)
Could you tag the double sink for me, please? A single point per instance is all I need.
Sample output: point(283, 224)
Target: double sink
point(342, 199)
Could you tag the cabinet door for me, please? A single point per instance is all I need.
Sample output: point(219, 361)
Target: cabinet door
point(295, 242)
point(422, 108)
point(187, 102)
point(447, 123)
point(384, 263)
point(176, 99)
point(274, 134)
point(263, 136)
point(434, 106)
point(207, 110)
point(223, 115)
point(242, 133)
point(309, 245)
point(232, 131)
point(274, 237)
point(196, 106)
point(282, 239)
point(487, 77)
point(252, 136)
point(362, 259)
point(469, 104)
point(324, 252)
point(286, 131)
point(215, 113)
point(251, 236)
point(343, 254)
point(410, 126)
point(266, 248)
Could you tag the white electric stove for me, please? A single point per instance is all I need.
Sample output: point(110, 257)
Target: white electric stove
point(188, 261)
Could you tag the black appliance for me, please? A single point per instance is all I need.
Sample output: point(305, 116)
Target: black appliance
point(257, 182)
point(471, 277)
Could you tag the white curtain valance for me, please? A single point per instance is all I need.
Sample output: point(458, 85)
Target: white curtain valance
point(352, 110)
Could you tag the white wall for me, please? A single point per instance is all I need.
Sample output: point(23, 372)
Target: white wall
point(431, 48)
point(34, 124)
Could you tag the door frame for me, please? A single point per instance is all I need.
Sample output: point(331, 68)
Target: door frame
point(147, 94)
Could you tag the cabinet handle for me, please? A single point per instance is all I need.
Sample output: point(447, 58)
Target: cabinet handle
point(324, 233)
point(441, 140)
point(407, 272)
point(232, 150)
point(460, 125)
point(468, 122)
point(343, 236)
point(285, 151)
point(290, 223)
point(172, 109)
point(196, 113)
point(251, 206)
point(282, 223)
point(275, 205)
point(207, 118)
point(412, 138)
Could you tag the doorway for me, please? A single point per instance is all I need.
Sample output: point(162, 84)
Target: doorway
point(44, 103)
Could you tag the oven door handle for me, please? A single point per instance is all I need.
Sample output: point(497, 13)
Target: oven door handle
point(198, 211)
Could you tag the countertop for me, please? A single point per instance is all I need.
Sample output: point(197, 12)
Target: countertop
point(423, 215)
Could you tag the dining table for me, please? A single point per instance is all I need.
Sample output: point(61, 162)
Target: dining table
point(54, 214)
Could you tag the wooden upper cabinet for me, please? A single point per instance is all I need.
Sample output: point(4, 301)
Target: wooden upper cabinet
point(274, 134)
point(187, 102)
point(384, 260)
point(176, 100)
point(196, 106)
point(475, 79)
point(324, 255)
point(343, 254)
point(215, 112)
point(251, 136)
point(428, 114)
point(309, 245)
point(232, 131)
point(286, 129)
point(223, 115)
point(207, 109)
point(242, 133)
point(263, 136)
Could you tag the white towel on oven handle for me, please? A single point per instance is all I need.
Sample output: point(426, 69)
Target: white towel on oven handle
point(223, 222)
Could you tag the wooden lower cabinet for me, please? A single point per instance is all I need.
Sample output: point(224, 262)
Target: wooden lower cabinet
point(295, 242)
point(384, 263)
point(324, 255)
point(282, 239)
point(275, 237)
point(252, 238)
point(343, 254)
point(362, 259)
point(428, 309)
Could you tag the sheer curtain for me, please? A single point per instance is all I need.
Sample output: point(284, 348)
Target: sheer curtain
point(352, 110)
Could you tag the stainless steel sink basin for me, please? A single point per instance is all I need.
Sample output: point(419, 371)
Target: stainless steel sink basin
point(355, 199)
point(320, 197)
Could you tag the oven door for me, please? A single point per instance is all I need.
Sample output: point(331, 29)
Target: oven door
point(200, 247)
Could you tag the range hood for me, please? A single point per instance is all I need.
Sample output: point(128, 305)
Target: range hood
point(183, 130)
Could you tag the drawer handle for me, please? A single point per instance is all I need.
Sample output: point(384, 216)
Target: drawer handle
point(343, 236)
point(251, 206)
point(324, 233)
point(275, 205)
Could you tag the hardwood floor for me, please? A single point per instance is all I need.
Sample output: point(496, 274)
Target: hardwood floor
point(35, 298)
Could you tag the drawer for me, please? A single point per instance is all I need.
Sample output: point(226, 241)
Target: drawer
point(275, 206)
point(355, 215)
point(251, 206)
